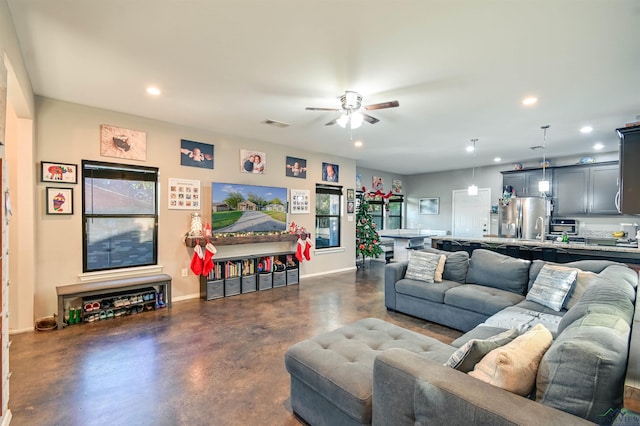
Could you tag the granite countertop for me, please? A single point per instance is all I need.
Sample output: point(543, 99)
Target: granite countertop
point(538, 243)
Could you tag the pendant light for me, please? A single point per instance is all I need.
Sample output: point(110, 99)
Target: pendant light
point(473, 189)
point(543, 185)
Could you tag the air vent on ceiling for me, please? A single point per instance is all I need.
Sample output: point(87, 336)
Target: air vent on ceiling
point(276, 123)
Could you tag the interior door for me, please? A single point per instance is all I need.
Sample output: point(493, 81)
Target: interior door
point(471, 213)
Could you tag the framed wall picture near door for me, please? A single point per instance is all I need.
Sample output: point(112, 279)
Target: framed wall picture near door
point(429, 205)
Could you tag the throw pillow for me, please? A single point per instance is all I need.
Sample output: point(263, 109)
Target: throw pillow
point(422, 266)
point(440, 269)
point(552, 285)
point(469, 354)
point(514, 366)
point(584, 279)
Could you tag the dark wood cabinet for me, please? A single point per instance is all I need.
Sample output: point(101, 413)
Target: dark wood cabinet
point(629, 170)
point(525, 182)
point(585, 189)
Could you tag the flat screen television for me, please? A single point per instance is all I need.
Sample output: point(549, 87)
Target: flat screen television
point(242, 209)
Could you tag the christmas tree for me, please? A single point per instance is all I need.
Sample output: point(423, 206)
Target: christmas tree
point(367, 238)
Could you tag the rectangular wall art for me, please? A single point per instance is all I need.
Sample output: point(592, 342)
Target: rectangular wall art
point(196, 154)
point(59, 200)
point(58, 172)
point(300, 201)
point(123, 143)
point(184, 194)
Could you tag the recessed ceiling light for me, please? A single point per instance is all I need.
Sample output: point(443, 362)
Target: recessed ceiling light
point(529, 100)
point(598, 146)
point(357, 144)
point(586, 129)
point(153, 91)
point(469, 148)
point(497, 159)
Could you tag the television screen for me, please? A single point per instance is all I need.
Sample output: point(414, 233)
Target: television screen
point(237, 208)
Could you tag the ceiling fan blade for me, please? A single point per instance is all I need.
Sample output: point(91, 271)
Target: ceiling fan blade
point(369, 119)
point(381, 105)
point(321, 109)
point(332, 122)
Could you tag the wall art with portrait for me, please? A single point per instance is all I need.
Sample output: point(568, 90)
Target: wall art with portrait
point(196, 154)
point(253, 161)
point(123, 143)
point(59, 200)
point(330, 172)
point(296, 167)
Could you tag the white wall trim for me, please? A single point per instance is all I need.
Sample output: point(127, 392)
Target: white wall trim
point(320, 252)
point(22, 330)
point(6, 419)
point(185, 297)
point(334, 271)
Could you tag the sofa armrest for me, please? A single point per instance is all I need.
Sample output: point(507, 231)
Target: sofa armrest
point(392, 273)
point(410, 389)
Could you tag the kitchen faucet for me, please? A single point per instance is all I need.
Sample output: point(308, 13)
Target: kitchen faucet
point(541, 233)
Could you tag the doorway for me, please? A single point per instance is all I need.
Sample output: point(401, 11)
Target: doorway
point(471, 213)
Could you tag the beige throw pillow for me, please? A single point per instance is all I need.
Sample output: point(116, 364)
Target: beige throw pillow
point(514, 366)
point(440, 269)
point(585, 278)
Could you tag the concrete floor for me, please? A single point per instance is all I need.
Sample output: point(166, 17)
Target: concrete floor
point(199, 363)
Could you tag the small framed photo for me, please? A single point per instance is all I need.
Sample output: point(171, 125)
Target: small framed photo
point(300, 201)
point(351, 206)
point(253, 161)
point(330, 172)
point(59, 200)
point(377, 183)
point(196, 154)
point(58, 172)
point(296, 167)
point(351, 194)
point(429, 205)
point(123, 143)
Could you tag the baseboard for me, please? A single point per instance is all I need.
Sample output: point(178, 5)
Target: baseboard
point(6, 419)
point(21, 330)
point(333, 271)
point(185, 297)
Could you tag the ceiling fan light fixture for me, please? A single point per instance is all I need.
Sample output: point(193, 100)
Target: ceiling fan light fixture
point(356, 120)
point(343, 120)
point(351, 100)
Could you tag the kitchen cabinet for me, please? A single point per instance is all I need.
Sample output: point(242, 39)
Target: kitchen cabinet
point(525, 182)
point(585, 189)
point(629, 170)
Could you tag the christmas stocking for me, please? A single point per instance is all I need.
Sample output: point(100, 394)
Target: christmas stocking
point(307, 249)
point(207, 266)
point(299, 250)
point(196, 261)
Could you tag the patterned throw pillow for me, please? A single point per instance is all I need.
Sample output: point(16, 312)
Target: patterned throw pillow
point(552, 285)
point(422, 266)
point(469, 354)
point(440, 269)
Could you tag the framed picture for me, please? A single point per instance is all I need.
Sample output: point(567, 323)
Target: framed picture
point(196, 154)
point(184, 194)
point(359, 181)
point(396, 186)
point(429, 205)
point(300, 201)
point(330, 172)
point(377, 183)
point(351, 206)
point(252, 161)
point(58, 172)
point(351, 194)
point(296, 167)
point(123, 143)
point(59, 200)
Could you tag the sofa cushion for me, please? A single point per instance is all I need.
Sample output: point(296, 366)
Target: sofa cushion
point(469, 354)
point(583, 280)
point(583, 371)
point(480, 332)
point(552, 285)
point(499, 271)
point(481, 299)
point(595, 266)
point(455, 266)
point(513, 367)
point(422, 266)
point(433, 293)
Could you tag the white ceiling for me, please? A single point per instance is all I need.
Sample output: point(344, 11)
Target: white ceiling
point(459, 69)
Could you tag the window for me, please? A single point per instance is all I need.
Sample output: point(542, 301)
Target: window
point(119, 216)
point(394, 220)
point(328, 215)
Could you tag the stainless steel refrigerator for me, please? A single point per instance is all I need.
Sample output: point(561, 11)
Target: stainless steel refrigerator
point(524, 217)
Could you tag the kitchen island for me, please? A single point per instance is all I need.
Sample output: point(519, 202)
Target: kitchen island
point(549, 250)
point(408, 239)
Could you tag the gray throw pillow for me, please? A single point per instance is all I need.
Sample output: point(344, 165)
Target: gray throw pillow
point(422, 266)
point(456, 265)
point(552, 285)
point(497, 270)
point(469, 354)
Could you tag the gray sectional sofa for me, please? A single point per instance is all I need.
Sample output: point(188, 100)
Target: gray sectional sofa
point(373, 372)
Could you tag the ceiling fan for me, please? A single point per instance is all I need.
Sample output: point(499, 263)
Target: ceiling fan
point(353, 110)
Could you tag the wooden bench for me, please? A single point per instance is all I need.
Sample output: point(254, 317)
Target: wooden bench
point(162, 281)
